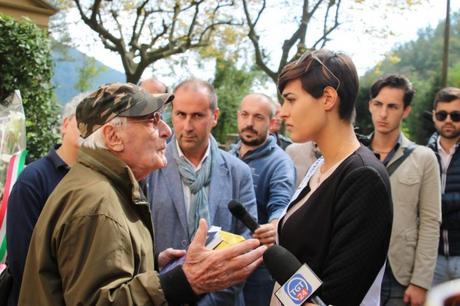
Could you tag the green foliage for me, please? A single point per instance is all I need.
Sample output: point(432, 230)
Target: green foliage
point(231, 84)
point(87, 72)
point(453, 78)
point(25, 64)
point(363, 118)
point(420, 61)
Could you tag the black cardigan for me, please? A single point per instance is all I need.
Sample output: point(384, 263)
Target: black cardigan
point(343, 231)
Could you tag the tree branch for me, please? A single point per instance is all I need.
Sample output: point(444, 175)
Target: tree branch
point(156, 37)
point(136, 33)
point(195, 15)
point(115, 17)
point(98, 27)
point(326, 31)
point(174, 20)
point(259, 54)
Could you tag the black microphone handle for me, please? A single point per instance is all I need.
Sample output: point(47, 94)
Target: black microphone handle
point(250, 223)
point(239, 211)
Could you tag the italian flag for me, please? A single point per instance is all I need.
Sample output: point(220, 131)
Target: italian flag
point(15, 167)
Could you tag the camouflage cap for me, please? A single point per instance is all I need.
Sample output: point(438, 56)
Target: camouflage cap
point(117, 99)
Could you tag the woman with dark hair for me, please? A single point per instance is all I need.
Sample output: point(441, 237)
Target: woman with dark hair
point(339, 219)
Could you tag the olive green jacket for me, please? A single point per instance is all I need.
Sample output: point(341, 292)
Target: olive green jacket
point(93, 243)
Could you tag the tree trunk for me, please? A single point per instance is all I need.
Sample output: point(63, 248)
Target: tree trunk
point(445, 55)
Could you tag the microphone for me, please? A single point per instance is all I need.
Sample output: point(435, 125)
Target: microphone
point(298, 282)
point(238, 211)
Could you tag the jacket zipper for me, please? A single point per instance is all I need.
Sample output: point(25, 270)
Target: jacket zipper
point(445, 237)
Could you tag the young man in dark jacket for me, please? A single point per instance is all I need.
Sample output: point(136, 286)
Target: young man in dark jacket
point(446, 118)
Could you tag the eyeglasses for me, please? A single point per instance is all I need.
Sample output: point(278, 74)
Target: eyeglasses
point(442, 115)
point(153, 118)
point(313, 56)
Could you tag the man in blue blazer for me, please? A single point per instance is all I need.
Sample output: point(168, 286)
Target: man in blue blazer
point(198, 181)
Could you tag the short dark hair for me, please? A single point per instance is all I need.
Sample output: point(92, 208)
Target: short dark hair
point(321, 68)
point(447, 94)
point(195, 84)
point(394, 81)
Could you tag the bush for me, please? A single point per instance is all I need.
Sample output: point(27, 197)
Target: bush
point(25, 64)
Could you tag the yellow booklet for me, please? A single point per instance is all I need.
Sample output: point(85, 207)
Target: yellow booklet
point(228, 239)
point(219, 239)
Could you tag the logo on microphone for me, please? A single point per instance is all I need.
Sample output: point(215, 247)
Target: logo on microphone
point(298, 289)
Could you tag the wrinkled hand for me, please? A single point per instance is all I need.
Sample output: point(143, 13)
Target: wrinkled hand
point(169, 254)
point(266, 233)
point(212, 270)
point(414, 295)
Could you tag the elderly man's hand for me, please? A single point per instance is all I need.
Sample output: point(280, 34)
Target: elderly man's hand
point(212, 270)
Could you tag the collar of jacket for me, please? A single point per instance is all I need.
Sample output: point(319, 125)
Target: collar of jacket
point(117, 171)
point(259, 152)
point(433, 142)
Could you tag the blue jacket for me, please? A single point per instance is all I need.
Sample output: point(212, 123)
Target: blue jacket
point(230, 179)
point(273, 173)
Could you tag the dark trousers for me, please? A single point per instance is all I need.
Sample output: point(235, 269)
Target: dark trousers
point(392, 292)
point(258, 288)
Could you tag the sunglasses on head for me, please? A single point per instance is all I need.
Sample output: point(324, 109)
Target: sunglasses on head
point(314, 57)
point(442, 115)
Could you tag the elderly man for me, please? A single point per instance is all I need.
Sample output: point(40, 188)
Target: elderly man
point(93, 242)
point(199, 181)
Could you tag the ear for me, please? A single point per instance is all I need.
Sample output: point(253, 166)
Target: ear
point(215, 117)
point(65, 125)
point(330, 98)
point(112, 138)
point(407, 111)
point(433, 117)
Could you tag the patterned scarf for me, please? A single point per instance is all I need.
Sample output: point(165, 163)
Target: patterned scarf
point(197, 181)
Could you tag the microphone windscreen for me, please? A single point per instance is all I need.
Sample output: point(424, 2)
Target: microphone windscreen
point(236, 208)
point(281, 263)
